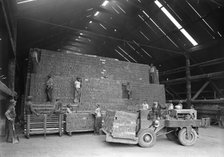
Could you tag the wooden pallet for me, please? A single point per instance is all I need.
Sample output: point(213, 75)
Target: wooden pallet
point(43, 124)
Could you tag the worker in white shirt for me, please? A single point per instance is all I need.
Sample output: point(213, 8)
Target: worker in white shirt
point(145, 105)
point(78, 85)
point(179, 105)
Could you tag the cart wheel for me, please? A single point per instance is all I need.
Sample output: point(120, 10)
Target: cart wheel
point(182, 136)
point(146, 138)
point(172, 135)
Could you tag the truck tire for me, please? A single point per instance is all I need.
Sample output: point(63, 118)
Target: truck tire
point(172, 135)
point(182, 136)
point(146, 138)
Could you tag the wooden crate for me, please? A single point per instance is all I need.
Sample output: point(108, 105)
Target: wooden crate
point(43, 124)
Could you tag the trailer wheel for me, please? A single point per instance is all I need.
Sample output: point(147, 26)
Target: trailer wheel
point(172, 135)
point(182, 136)
point(146, 138)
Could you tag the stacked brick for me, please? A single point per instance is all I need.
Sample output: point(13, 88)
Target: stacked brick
point(121, 124)
point(87, 66)
point(102, 80)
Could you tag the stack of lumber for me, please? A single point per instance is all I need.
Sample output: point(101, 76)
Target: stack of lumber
point(121, 124)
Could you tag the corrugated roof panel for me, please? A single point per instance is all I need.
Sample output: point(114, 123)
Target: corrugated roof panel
point(164, 22)
point(203, 7)
point(215, 23)
point(200, 32)
point(180, 39)
point(183, 10)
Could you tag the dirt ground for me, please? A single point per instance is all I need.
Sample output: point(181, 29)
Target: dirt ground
point(209, 144)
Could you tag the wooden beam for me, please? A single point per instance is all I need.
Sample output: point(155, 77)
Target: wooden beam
point(196, 77)
point(200, 90)
point(169, 93)
point(13, 44)
point(174, 92)
point(194, 92)
point(206, 63)
point(201, 101)
point(219, 92)
point(205, 45)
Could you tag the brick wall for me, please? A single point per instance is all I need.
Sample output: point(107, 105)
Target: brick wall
point(102, 80)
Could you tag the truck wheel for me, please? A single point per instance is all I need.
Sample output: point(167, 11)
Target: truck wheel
point(146, 138)
point(182, 136)
point(172, 135)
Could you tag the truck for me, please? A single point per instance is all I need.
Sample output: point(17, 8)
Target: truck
point(142, 129)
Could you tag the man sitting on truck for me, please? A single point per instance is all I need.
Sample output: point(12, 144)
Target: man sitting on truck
point(156, 110)
point(145, 105)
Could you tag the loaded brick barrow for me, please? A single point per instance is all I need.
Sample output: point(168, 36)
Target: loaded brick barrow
point(139, 128)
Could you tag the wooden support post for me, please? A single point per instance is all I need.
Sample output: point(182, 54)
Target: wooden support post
point(60, 124)
point(45, 125)
point(7, 22)
point(188, 81)
point(28, 126)
point(200, 90)
point(11, 74)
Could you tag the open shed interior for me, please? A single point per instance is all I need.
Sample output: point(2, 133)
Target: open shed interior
point(109, 44)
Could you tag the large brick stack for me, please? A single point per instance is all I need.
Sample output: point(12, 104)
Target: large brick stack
point(102, 80)
point(121, 124)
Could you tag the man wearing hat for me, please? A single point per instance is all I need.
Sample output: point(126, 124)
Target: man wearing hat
point(10, 116)
point(29, 107)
